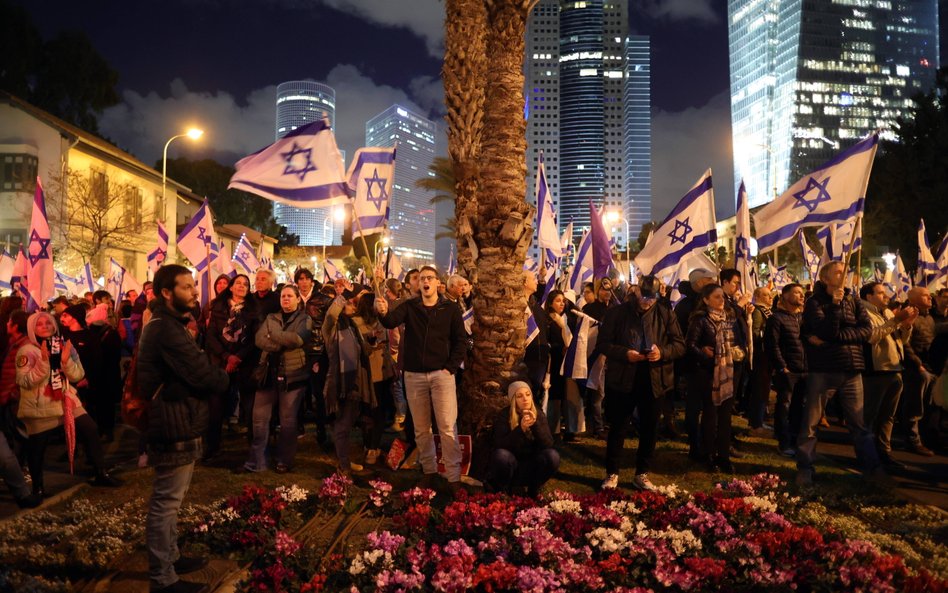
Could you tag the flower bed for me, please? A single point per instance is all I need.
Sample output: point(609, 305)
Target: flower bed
point(738, 537)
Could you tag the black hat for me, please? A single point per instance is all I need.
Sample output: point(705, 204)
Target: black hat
point(77, 312)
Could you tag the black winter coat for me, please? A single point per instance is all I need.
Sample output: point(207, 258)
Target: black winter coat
point(218, 348)
point(701, 333)
point(660, 327)
point(169, 359)
point(537, 353)
point(522, 445)
point(434, 337)
point(782, 341)
point(843, 328)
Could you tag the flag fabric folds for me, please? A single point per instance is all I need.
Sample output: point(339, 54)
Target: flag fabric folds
point(115, 280)
point(548, 237)
point(157, 256)
point(576, 359)
point(688, 228)
point(601, 243)
point(302, 169)
point(6, 269)
point(197, 241)
point(86, 280)
point(41, 278)
point(927, 267)
point(742, 254)
point(452, 263)
point(226, 263)
point(902, 283)
point(371, 176)
point(811, 260)
point(833, 193)
point(582, 270)
point(245, 258)
point(330, 271)
point(533, 330)
point(19, 280)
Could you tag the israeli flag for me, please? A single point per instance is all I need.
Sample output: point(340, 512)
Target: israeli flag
point(86, 279)
point(576, 360)
point(468, 318)
point(582, 270)
point(157, 256)
point(692, 261)
point(197, 241)
point(19, 280)
point(68, 284)
point(530, 264)
point(811, 261)
point(688, 228)
point(245, 258)
point(927, 267)
point(452, 263)
point(393, 266)
point(6, 269)
point(371, 176)
point(548, 237)
point(41, 277)
point(330, 271)
point(302, 169)
point(532, 329)
point(902, 281)
point(60, 282)
point(834, 193)
point(115, 280)
point(742, 254)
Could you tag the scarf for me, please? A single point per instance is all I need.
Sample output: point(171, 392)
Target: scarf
point(56, 390)
point(233, 331)
point(722, 385)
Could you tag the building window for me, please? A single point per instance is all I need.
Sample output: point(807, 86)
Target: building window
point(18, 172)
point(99, 188)
point(132, 209)
point(159, 207)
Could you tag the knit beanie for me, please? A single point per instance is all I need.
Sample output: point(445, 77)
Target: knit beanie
point(77, 312)
point(516, 385)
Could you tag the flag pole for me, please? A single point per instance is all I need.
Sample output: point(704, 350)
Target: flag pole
point(365, 246)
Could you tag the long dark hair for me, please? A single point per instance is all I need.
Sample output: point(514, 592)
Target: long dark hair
point(226, 294)
point(701, 308)
point(548, 304)
point(366, 308)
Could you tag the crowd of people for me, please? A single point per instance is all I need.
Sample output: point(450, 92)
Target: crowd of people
point(264, 360)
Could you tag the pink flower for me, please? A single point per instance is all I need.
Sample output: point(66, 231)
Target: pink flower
point(284, 544)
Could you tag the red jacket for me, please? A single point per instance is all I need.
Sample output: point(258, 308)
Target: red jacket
point(9, 391)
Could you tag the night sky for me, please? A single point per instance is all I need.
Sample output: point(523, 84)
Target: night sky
point(216, 63)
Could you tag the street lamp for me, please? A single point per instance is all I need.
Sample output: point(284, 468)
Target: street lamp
point(614, 216)
point(337, 214)
point(193, 134)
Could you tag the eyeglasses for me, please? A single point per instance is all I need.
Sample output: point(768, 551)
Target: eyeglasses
point(423, 278)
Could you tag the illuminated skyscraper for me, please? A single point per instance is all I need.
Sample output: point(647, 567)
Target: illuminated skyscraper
point(412, 216)
point(300, 102)
point(808, 78)
point(637, 105)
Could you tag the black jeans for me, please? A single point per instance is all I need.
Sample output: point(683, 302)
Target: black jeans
point(619, 407)
point(791, 393)
point(381, 413)
point(532, 469)
point(86, 432)
point(714, 438)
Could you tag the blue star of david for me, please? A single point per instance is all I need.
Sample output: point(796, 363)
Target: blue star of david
point(244, 255)
point(290, 156)
point(821, 196)
point(685, 230)
point(43, 248)
point(160, 254)
point(740, 248)
point(202, 235)
point(379, 199)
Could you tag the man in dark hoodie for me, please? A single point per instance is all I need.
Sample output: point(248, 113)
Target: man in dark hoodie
point(433, 346)
point(835, 330)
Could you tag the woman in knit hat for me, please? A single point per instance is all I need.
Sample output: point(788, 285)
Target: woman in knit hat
point(523, 453)
point(46, 369)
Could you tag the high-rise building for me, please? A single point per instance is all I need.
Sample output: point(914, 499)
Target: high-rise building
point(637, 105)
point(412, 215)
point(809, 78)
point(301, 102)
point(574, 71)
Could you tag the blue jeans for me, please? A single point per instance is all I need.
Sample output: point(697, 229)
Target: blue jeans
point(532, 470)
point(847, 387)
point(791, 394)
point(161, 523)
point(288, 403)
point(10, 470)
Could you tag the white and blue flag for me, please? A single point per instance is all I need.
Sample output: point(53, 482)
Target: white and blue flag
point(582, 270)
point(6, 269)
point(533, 330)
point(371, 176)
point(834, 193)
point(115, 280)
point(811, 261)
point(86, 280)
point(902, 282)
point(576, 359)
point(197, 241)
point(927, 267)
point(303, 169)
point(452, 262)
point(157, 256)
point(331, 271)
point(245, 259)
point(688, 228)
point(548, 237)
point(742, 253)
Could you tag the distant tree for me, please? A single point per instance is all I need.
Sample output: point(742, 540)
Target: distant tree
point(20, 48)
point(209, 178)
point(96, 213)
point(440, 180)
point(910, 179)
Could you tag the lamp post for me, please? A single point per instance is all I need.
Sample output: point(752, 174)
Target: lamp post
point(613, 217)
point(193, 134)
point(337, 214)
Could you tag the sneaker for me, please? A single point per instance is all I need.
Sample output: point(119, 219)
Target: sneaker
point(642, 482)
point(920, 449)
point(611, 481)
point(372, 456)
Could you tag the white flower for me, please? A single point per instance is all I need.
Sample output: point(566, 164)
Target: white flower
point(670, 490)
point(764, 505)
point(607, 539)
point(679, 541)
point(370, 558)
point(624, 507)
point(571, 507)
point(292, 493)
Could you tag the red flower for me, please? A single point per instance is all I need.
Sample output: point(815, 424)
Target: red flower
point(496, 576)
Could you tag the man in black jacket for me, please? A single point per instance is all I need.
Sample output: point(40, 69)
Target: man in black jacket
point(177, 378)
point(784, 349)
point(835, 330)
point(640, 340)
point(432, 350)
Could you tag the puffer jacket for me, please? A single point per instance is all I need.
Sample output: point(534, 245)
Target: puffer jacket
point(316, 308)
point(843, 328)
point(701, 333)
point(288, 341)
point(660, 327)
point(782, 341)
point(38, 411)
point(177, 378)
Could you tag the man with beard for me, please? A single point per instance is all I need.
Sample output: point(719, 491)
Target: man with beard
point(177, 378)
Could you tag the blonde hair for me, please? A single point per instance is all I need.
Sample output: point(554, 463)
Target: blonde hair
point(514, 413)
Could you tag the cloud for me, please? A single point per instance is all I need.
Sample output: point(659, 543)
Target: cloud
point(681, 10)
point(235, 127)
point(424, 18)
point(684, 145)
